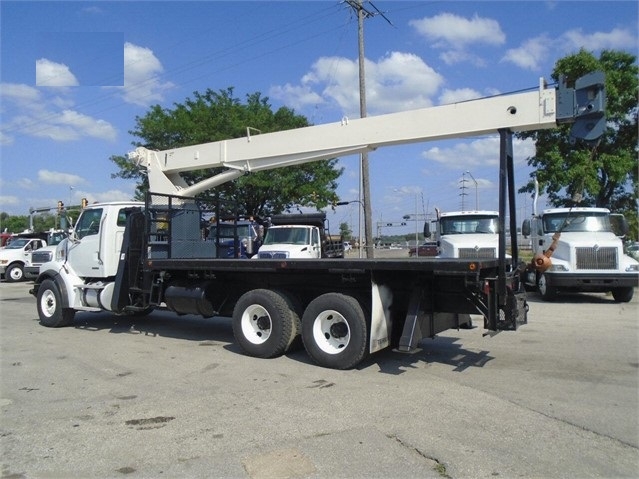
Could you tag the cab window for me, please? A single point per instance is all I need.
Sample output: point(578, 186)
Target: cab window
point(89, 223)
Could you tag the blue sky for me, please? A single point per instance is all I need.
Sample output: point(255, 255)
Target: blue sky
point(74, 75)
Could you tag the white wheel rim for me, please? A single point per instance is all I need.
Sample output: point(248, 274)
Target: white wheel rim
point(331, 332)
point(542, 284)
point(256, 324)
point(16, 274)
point(48, 303)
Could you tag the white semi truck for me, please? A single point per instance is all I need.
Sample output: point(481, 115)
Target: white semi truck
point(576, 250)
point(130, 258)
point(466, 234)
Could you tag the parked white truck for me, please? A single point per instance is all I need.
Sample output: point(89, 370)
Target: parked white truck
point(466, 234)
point(576, 250)
point(16, 256)
point(130, 258)
point(300, 236)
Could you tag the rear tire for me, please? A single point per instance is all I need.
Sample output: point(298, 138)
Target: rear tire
point(623, 295)
point(50, 310)
point(334, 331)
point(264, 323)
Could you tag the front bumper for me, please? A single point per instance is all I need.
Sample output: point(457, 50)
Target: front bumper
point(592, 282)
point(31, 272)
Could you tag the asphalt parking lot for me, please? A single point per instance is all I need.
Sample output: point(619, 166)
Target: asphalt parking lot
point(173, 397)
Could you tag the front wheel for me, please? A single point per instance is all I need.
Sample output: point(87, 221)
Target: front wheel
point(50, 309)
point(546, 290)
point(623, 295)
point(15, 273)
point(264, 325)
point(334, 331)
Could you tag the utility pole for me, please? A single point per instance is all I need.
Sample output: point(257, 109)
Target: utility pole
point(363, 13)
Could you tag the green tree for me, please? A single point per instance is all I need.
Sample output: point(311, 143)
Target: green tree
point(13, 224)
point(214, 116)
point(605, 175)
point(345, 231)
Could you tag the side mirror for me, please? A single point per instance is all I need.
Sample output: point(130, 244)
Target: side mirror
point(619, 224)
point(525, 228)
point(426, 229)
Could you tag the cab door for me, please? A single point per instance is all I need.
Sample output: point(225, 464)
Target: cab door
point(85, 248)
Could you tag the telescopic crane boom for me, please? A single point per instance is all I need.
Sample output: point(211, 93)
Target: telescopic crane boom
point(543, 108)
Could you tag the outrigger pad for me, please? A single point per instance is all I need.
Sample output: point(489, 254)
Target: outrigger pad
point(515, 312)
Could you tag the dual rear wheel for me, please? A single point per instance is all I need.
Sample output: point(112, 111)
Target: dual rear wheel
point(333, 327)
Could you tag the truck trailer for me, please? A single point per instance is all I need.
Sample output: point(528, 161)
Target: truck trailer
point(131, 258)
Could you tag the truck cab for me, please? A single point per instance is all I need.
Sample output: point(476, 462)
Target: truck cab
point(585, 254)
point(235, 239)
point(467, 234)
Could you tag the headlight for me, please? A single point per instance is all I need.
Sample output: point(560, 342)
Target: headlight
point(60, 254)
point(558, 267)
point(633, 267)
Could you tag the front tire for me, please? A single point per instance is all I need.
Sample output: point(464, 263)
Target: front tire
point(264, 325)
point(623, 295)
point(14, 273)
point(545, 289)
point(334, 331)
point(50, 310)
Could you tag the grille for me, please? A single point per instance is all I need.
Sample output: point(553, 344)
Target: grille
point(477, 253)
point(41, 256)
point(273, 255)
point(596, 258)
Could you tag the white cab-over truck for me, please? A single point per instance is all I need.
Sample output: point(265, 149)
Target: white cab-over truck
point(576, 250)
point(466, 234)
point(131, 258)
point(300, 236)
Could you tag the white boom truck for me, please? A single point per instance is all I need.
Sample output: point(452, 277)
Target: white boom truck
point(576, 250)
point(130, 258)
point(466, 234)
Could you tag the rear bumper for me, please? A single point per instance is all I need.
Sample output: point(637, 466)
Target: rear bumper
point(592, 282)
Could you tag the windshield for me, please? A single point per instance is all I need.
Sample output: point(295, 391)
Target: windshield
point(56, 238)
point(287, 236)
point(17, 244)
point(469, 224)
point(584, 222)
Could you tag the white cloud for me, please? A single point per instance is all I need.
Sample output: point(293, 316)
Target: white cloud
point(457, 31)
point(58, 178)
point(9, 200)
point(617, 38)
point(530, 54)
point(396, 82)
point(111, 195)
point(461, 94)
point(39, 114)
point(477, 153)
point(455, 34)
point(142, 85)
point(296, 96)
point(49, 73)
